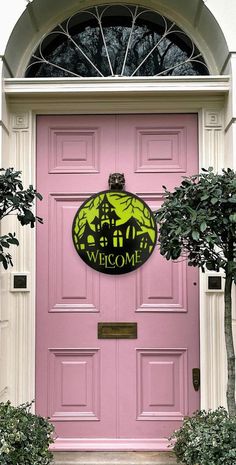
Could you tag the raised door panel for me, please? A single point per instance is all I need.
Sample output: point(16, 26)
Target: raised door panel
point(161, 384)
point(74, 149)
point(161, 149)
point(157, 150)
point(74, 384)
point(73, 287)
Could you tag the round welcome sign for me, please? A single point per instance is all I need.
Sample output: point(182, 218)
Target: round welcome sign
point(114, 232)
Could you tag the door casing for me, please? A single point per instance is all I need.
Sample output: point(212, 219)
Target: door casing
point(23, 109)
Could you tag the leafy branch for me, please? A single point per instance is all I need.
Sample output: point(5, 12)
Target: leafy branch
point(15, 200)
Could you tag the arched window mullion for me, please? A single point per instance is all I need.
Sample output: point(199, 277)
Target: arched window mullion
point(134, 17)
point(44, 60)
point(82, 52)
point(116, 40)
point(104, 41)
point(152, 50)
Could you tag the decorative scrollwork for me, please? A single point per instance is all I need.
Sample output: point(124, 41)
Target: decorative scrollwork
point(116, 40)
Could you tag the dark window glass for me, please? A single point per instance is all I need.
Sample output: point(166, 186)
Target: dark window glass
point(116, 40)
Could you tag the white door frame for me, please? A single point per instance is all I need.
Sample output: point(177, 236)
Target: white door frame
point(25, 99)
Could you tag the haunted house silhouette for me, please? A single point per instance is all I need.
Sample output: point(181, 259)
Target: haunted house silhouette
point(110, 237)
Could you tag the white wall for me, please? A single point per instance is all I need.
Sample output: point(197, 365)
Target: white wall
point(225, 14)
point(10, 12)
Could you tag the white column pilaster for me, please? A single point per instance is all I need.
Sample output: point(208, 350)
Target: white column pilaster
point(212, 342)
point(21, 305)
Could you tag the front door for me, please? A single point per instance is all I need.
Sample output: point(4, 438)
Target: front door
point(109, 393)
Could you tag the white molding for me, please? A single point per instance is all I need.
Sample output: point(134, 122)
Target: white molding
point(21, 305)
point(213, 370)
point(23, 143)
point(213, 355)
point(213, 119)
point(212, 140)
point(20, 121)
point(58, 86)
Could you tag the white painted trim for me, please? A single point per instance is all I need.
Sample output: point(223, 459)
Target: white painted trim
point(21, 306)
point(212, 345)
point(39, 86)
point(24, 107)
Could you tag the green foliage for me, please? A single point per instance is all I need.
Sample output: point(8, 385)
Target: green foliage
point(14, 199)
point(199, 220)
point(24, 437)
point(206, 438)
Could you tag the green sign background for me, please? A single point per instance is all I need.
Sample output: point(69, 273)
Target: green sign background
point(114, 232)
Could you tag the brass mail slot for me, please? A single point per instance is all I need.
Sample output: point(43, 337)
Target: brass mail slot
point(117, 330)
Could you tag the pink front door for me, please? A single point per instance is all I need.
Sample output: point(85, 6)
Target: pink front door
point(107, 393)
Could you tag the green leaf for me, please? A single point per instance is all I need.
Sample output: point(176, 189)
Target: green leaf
point(5, 244)
point(203, 226)
point(210, 266)
point(195, 235)
point(231, 267)
point(13, 241)
point(205, 197)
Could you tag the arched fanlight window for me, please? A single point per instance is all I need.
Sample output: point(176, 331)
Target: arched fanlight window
point(116, 40)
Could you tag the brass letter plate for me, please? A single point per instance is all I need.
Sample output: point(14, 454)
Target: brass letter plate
point(117, 330)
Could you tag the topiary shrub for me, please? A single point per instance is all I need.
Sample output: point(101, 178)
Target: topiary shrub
point(206, 438)
point(197, 221)
point(24, 437)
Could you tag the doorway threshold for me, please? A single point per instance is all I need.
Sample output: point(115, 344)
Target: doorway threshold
point(114, 458)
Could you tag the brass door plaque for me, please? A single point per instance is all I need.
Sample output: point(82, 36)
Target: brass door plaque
point(117, 330)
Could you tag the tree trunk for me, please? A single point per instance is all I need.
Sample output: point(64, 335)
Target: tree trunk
point(230, 393)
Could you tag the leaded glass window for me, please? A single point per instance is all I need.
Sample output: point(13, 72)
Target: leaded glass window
point(116, 40)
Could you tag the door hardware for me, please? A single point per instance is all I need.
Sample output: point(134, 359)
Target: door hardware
point(116, 181)
point(117, 330)
point(196, 378)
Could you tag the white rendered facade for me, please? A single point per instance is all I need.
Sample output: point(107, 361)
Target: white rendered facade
point(211, 24)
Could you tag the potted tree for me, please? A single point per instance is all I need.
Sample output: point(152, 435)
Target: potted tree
point(198, 220)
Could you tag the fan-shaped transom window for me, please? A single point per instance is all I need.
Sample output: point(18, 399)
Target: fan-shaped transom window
point(116, 40)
